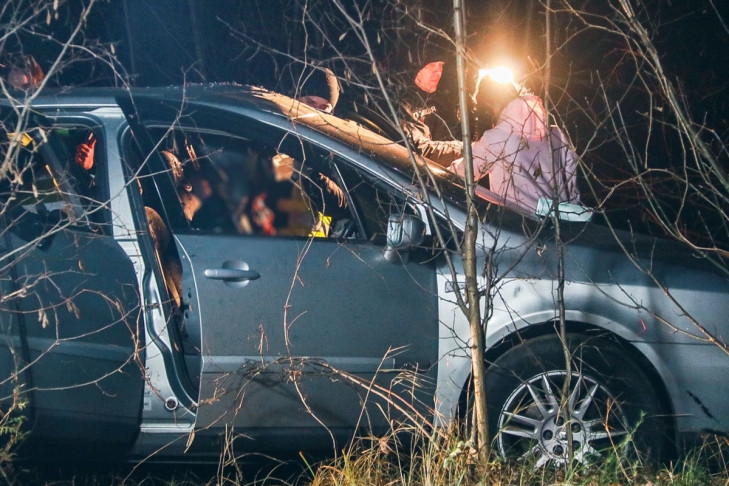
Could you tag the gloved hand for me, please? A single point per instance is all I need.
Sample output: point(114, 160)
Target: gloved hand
point(85, 153)
point(333, 188)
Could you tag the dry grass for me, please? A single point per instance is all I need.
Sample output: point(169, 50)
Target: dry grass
point(450, 462)
point(394, 461)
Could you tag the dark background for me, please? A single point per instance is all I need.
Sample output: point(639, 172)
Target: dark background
point(264, 42)
point(592, 74)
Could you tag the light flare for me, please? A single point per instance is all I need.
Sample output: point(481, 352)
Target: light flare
point(500, 74)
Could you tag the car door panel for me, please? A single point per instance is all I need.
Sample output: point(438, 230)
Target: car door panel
point(323, 319)
point(77, 306)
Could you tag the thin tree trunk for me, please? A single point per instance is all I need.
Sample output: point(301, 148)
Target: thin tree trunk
point(565, 412)
point(469, 247)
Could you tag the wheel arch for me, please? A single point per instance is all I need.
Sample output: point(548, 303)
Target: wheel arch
point(520, 334)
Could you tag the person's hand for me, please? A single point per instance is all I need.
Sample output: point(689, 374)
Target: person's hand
point(333, 188)
point(85, 153)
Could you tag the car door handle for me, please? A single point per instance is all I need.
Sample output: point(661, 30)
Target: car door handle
point(231, 274)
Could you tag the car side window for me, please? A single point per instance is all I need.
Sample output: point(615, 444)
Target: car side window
point(373, 201)
point(43, 183)
point(80, 151)
point(231, 184)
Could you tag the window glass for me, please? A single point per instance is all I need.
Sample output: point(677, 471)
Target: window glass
point(232, 184)
point(29, 183)
point(373, 201)
point(44, 180)
point(78, 154)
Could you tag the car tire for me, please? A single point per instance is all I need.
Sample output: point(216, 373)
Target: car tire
point(613, 410)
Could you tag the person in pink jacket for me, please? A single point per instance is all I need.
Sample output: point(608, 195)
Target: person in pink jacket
point(524, 158)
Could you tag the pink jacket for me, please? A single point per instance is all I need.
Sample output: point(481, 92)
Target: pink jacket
point(515, 154)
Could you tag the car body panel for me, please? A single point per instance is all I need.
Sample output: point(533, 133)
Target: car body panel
point(319, 308)
point(82, 370)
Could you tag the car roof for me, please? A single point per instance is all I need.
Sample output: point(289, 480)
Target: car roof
point(242, 97)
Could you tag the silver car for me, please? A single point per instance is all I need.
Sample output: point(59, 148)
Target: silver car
point(237, 266)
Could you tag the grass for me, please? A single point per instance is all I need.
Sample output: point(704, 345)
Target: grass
point(450, 460)
point(437, 460)
point(391, 462)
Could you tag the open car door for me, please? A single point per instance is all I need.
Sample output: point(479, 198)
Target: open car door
point(71, 294)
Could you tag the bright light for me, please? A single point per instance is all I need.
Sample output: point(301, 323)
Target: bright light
point(501, 74)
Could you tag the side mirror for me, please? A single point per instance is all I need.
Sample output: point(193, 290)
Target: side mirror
point(404, 231)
